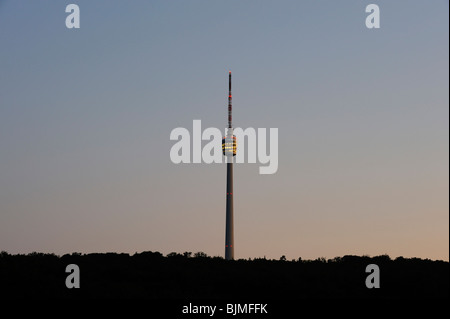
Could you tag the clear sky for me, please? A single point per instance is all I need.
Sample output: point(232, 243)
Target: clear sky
point(362, 114)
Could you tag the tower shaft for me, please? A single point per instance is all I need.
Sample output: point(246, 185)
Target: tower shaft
point(229, 232)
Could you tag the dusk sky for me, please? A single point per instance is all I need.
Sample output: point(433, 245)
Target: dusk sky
point(362, 117)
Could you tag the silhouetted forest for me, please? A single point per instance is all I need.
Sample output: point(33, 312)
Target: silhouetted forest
point(197, 276)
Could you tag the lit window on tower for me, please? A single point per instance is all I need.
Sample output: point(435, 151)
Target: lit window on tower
point(229, 145)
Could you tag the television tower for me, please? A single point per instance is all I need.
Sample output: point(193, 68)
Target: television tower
point(229, 151)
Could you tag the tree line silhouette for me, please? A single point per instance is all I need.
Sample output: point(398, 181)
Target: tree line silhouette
point(199, 276)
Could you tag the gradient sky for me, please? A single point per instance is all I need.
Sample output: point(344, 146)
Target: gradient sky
point(363, 120)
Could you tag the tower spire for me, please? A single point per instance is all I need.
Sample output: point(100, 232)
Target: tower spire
point(229, 101)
